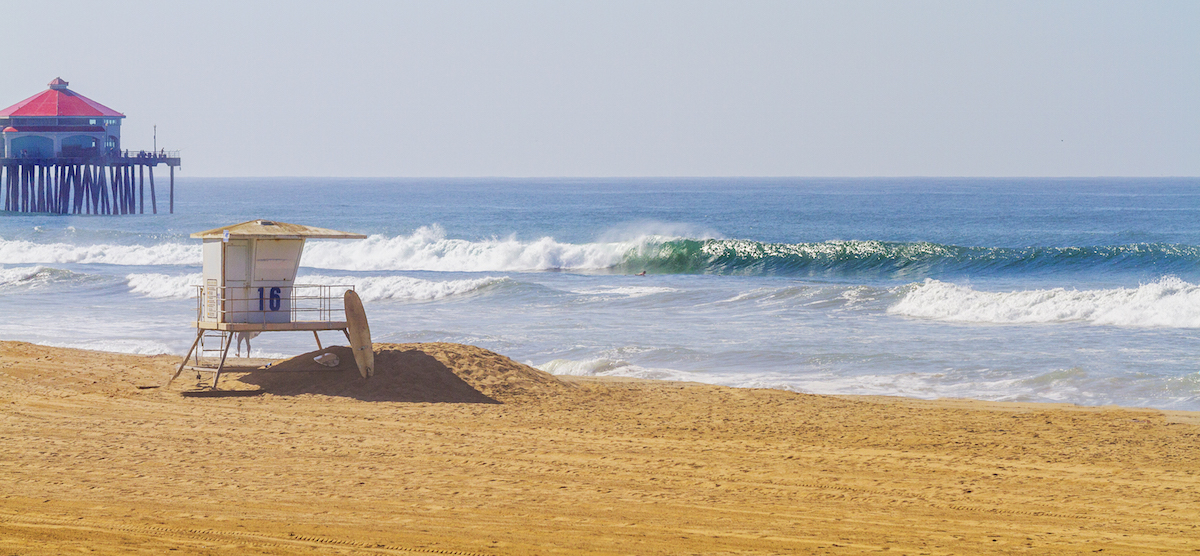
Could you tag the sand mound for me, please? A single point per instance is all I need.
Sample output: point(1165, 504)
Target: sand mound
point(431, 372)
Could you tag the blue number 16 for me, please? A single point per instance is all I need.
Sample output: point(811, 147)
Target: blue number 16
point(276, 299)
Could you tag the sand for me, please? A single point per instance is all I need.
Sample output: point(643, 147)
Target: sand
point(452, 449)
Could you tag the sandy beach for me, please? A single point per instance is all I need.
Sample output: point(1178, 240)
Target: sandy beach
point(452, 449)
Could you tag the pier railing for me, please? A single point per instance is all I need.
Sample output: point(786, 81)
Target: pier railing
point(161, 154)
point(93, 156)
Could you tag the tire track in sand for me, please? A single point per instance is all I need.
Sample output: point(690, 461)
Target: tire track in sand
point(211, 535)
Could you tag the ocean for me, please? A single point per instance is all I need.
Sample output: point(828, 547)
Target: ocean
point(1079, 290)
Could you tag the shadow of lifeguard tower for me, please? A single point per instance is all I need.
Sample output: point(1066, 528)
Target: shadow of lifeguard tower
point(249, 287)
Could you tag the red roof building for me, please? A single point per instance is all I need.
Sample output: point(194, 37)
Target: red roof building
point(59, 101)
point(59, 122)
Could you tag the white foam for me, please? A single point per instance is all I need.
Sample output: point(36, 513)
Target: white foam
point(369, 288)
point(1169, 302)
point(429, 249)
point(928, 385)
point(137, 347)
point(624, 291)
point(163, 285)
point(235, 353)
point(620, 368)
point(34, 277)
point(403, 288)
point(754, 294)
point(20, 275)
point(609, 367)
point(26, 252)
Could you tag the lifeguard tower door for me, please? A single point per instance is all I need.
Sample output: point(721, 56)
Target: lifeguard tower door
point(273, 278)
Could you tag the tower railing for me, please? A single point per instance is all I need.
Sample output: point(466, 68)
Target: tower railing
point(308, 303)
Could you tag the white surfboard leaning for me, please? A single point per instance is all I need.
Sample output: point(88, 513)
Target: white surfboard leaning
point(360, 334)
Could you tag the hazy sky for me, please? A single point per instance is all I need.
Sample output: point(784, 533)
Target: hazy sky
point(614, 88)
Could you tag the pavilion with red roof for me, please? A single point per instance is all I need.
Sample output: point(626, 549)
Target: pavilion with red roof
point(61, 154)
point(59, 122)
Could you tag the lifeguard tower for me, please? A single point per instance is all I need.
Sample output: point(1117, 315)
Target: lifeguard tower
point(249, 287)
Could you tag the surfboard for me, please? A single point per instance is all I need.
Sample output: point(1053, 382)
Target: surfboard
point(360, 334)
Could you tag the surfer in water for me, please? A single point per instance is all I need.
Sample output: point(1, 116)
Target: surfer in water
point(642, 273)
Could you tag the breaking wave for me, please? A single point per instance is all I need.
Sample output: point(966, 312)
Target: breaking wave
point(604, 367)
point(609, 367)
point(163, 285)
point(623, 292)
point(895, 260)
point(428, 249)
point(1169, 302)
point(403, 288)
point(27, 252)
point(369, 288)
point(32, 277)
point(137, 347)
point(23, 275)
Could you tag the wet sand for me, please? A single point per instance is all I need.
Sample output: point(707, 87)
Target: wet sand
point(454, 450)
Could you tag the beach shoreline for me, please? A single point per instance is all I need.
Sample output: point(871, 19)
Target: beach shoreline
point(453, 449)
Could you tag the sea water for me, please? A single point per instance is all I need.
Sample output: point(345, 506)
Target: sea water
point(1065, 290)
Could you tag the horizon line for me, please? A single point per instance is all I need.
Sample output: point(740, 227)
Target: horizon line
point(687, 177)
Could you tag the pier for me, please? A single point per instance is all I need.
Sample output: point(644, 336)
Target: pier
point(62, 155)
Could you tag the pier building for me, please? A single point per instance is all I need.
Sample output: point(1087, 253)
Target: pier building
point(61, 154)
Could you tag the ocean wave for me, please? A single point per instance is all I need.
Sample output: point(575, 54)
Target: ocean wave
point(31, 277)
point(403, 288)
point(1169, 302)
point(1059, 385)
point(623, 292)
point(893, 260)
point(369, 288)
point(141, 346)
point(606, 367)
point(609, 367)
point(22, 275)
point(27, 252)
point(115, 345)
point(429, 249)
point(163, 286)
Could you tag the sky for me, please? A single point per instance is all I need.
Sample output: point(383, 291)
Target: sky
point(631, 88)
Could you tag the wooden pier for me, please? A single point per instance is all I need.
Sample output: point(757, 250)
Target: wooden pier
point(102, 185)
point(61, 154)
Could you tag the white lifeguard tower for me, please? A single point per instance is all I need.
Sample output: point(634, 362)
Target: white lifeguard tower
point(249, 287)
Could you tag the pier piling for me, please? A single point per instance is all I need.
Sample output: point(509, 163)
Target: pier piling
point(83, 186)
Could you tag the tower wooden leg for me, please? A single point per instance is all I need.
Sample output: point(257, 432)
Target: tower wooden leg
point(199, 334)
point(318, 338)
point(221, 365)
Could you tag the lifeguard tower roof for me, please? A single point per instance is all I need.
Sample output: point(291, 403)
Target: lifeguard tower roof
point(271, 229)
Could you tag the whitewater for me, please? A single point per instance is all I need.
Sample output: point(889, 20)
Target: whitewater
point(1068, 290)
